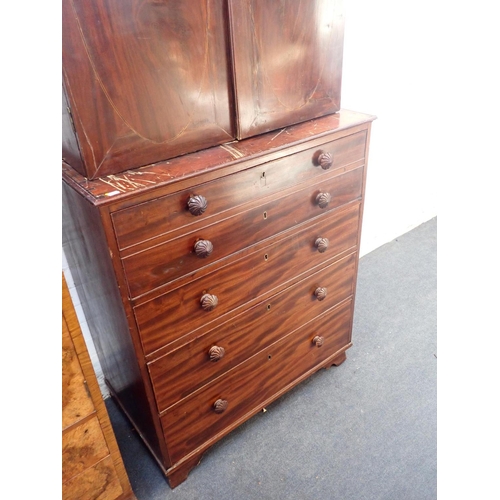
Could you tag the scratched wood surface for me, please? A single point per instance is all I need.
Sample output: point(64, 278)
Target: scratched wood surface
point(144, 80)
point(165, 214)
point(176, 173)
point(287, 61)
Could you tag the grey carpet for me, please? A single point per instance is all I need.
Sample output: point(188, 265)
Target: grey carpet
point(363, 430)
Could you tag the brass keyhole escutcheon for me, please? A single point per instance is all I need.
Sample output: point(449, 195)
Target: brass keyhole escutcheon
point(265, 215)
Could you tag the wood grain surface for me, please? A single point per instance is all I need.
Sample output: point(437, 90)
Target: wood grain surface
point(287, 61)
point(145, 80)
point(171, 316)
point(92, 466)
point(165, 262)
point(188, 368)
point(192, 422)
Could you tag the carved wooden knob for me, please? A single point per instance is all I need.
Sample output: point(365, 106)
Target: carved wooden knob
point(220, 405)
point(320, 293)
point(318, 341)
point(216, 353)
point(322, 199)
point(325, 160)
point(321, 244)
point(209, 302)
point(197, 204)
point(203, 248)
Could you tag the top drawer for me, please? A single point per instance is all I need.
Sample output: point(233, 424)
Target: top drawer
point(165, 214)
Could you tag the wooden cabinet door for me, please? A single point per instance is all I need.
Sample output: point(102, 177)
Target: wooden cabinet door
point(287, 61)
point(144, 80)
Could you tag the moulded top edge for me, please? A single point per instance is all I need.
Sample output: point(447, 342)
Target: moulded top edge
point(234, 156)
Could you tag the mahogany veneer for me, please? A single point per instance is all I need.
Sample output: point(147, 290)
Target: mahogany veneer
point(216, 281)
point(145, 81)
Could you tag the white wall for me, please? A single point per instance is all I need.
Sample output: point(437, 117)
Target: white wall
point(84, 327)
point(389, 60)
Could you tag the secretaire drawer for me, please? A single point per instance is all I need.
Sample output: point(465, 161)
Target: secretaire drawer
point(186, 369)
point(172, 315)
point(161, 264)
point(252, 384)
point(162, 215)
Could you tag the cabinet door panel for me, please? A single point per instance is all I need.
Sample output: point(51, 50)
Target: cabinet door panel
point(287, 61)
point(145, 80)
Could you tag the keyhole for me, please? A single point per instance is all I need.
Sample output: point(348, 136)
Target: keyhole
point(265, 215)
point(263, 179)
point(268, 307)
point(269, 357)
point(266, 257)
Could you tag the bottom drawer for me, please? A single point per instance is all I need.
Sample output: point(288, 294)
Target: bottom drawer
point(254, 383)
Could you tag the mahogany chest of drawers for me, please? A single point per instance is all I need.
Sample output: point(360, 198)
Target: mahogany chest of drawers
point(216, 281)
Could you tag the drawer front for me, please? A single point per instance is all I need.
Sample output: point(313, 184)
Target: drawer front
point(252, 384)
point(168, 213)
point(157, 266)
point(188, 368)
point(173, 315)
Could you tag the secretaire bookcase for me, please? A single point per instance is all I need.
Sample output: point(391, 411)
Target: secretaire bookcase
point(212, 203)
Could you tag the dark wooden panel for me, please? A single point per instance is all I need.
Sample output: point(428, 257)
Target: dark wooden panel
point(163, 263)
point(164, 214)
point(146, 80)
point(70, 148)
point(172, 315)
point(193, 421)
point(188, 368)
point(287, 61)
point(87, 252)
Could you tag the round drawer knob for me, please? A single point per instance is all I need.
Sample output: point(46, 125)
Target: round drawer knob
point(320, 293)
point(216, 353)
point(321, 244)
point(220, 405)
point(325, 160)
point(318, 341)
point(197, 204)
point(322, 199)
point(203, 248)
point(209, 302)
